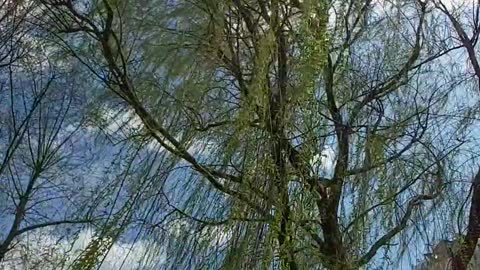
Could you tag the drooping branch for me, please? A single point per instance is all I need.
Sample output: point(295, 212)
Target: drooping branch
point(122, 86)
point(385, 239)
point(467, 42)
point(401, 77)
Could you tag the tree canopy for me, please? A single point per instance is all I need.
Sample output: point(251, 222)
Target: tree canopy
point(238, 134)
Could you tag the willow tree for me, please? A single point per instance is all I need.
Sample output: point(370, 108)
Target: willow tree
point(247, 97)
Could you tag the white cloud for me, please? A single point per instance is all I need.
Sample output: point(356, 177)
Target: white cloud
point(121, 120)
point(42, 250)
point(323, 163)
point(218, 236)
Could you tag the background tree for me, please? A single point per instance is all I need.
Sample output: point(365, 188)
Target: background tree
point(39, 118)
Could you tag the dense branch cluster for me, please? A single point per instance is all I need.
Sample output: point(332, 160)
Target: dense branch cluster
point(242, 134)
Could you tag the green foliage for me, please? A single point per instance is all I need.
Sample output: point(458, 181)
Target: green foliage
point(261, 73)
point(95, 250)
point(375, 148)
